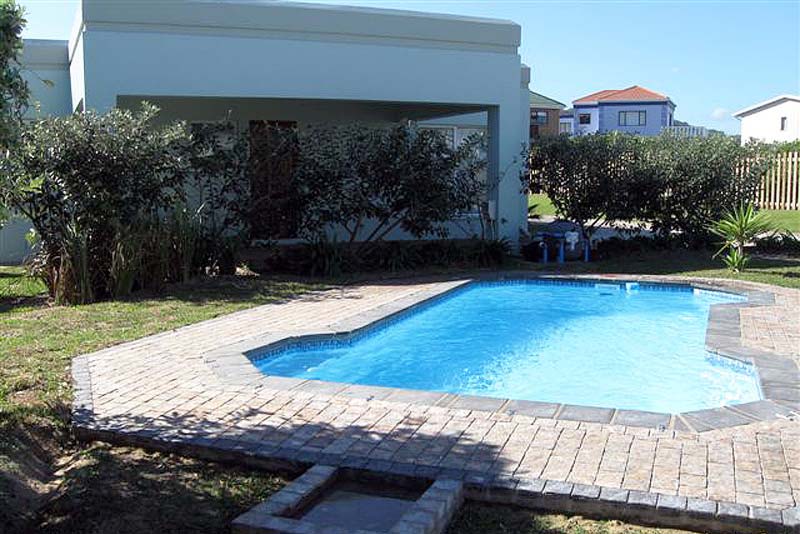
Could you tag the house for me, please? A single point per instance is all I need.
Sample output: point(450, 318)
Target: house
point(774, 120)
point(634, 110)
point(544, 115)
point(566, 121)
point(296, 63)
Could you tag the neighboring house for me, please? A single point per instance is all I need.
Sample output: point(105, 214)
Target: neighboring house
point(634, 110)
point(544, 115)
point(566, 122)
point(774, 120)
point(298, 64)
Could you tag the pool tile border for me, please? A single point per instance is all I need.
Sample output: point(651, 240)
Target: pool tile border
point(778, 375)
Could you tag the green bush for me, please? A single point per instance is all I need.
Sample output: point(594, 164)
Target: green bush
point(331, 259)
point(675, 185)
point(119, 204)
point(369, 181)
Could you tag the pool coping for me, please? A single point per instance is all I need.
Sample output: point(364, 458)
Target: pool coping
point(778, 375)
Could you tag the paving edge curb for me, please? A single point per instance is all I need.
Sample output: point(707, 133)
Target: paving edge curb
point(659, 510)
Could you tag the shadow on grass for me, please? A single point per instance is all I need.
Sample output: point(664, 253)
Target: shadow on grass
point(266, 438)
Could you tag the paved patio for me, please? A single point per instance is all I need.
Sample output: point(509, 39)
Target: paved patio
point(166, 391)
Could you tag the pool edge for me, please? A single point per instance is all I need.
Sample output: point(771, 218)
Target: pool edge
point(778, 375)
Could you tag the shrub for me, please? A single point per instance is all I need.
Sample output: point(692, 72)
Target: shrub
point(369, 181)
point(331, 259)
point(118, 203)
point(697, 180)
point(673, 184)
point(590, 179)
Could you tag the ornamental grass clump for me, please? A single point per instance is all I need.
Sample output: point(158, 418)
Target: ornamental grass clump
point(738, 228)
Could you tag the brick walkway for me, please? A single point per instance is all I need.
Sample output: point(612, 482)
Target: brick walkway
point(160, 390)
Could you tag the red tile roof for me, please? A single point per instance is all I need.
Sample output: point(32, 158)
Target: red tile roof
point(634, 93)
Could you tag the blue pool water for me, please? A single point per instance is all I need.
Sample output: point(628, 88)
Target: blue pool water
point(634, 347)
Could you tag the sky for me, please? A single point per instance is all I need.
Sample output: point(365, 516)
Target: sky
point(711, 58)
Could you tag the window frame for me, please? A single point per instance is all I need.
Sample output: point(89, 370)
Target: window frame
point(588, 118)
point(641, 117)
point(538, 113)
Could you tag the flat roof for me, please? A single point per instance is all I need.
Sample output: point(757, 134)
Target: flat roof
point(280, 18)
point(43, 53)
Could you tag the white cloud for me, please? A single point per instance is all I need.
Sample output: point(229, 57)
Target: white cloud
point(720, 114)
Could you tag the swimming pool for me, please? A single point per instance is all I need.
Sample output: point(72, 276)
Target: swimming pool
point(629, 346)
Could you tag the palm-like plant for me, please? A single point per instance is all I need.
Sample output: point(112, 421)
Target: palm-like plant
point(737, 228)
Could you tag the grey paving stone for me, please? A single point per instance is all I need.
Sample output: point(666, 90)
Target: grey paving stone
point(779, 393)
point(586, 413)
point(715, 418)
point(642, 499)
point(555, 487)
point(642, 419)
point(472, 402)
point(765, 516)
point(415, 397)
point(791, 518)
point(614, 495)
point(732, 512)
point(671, 503)
point(763, 410)
point(531, 408)
point(701, 507)
point(530, 486)
point(584, 491)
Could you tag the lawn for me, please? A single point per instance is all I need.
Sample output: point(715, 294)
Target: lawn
point(94, 488)
point(786, 219)
point(97, 488)
point(690, 263)
point(539, 205)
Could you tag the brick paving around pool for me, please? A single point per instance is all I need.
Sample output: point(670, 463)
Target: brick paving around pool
point(172, 392)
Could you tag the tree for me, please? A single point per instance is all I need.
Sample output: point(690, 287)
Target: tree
point(373, 180)
point(13, 90)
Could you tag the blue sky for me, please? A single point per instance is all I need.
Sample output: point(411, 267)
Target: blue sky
point(710, 57)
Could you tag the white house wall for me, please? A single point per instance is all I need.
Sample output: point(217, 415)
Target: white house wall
point(194, 58)
point(764, 124)
point(46, 69)
point(133, 61)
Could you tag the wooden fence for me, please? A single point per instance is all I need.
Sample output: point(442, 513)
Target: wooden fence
point(781, 187)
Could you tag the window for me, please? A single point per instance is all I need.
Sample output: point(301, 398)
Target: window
point(584, 118)
point(539, 117)
point(565, 127)
point(783, 124)
point(632, 118)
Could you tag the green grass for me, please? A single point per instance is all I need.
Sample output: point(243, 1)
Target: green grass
point(785, 219)
point(540, 205)
point(15, 286)
point(688, 263)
